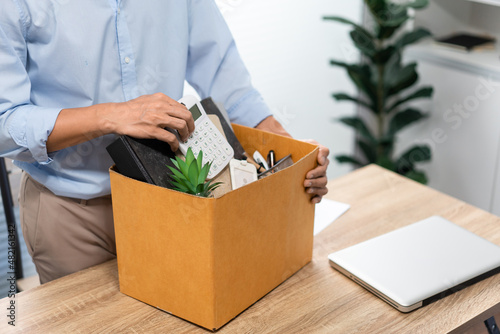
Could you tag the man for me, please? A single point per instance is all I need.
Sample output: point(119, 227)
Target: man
point(77, 73)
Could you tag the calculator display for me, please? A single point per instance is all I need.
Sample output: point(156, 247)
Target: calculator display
point(195, 112)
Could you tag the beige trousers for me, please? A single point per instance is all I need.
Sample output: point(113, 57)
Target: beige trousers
point(64, 235)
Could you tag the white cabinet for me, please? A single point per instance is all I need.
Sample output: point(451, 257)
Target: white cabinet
point(463, 129)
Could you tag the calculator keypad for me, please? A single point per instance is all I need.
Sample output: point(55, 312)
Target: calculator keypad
point(216, 149)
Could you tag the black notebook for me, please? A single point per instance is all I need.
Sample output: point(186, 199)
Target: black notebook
point(466, 42)
point(147, 159)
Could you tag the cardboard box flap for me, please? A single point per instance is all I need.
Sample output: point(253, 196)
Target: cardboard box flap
point(252, 139)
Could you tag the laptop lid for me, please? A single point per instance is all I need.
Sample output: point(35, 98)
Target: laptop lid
point(419, 263)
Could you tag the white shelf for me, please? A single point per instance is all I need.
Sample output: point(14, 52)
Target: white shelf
point(483, 62)
point(488, 2)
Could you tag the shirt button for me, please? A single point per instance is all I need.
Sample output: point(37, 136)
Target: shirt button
point(118, 10)
point(127, 60)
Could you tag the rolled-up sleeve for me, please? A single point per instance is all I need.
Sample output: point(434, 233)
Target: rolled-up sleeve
point(215, 68)
point(24, 127)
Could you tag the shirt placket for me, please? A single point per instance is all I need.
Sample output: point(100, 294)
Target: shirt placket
point(126, 54)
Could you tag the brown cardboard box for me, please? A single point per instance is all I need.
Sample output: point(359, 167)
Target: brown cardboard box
point(206, 260)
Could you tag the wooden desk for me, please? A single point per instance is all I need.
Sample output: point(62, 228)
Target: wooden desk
point(317, 299)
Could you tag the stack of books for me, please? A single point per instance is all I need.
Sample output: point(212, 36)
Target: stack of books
point(467, 42)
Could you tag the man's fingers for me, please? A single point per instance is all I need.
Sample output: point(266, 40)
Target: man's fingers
point(317, 191)
point(316, 183)
point(323, 154)
point(177, 124)
point(316, 199)
point(317, 172)
point(166, 136)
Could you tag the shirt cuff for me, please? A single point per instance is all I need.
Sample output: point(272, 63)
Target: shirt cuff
point(249, 110)
point(30, 126)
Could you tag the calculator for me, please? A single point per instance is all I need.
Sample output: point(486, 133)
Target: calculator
point(207, 138)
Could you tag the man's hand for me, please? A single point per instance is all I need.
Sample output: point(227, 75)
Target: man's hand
point(147, 116)
point(143, 117)
point(316, 180)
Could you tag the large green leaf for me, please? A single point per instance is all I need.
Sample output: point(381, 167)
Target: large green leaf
point(395, 20)
point(176, 172)
point(204, 172)
point(193, 174)
point(386, 162)
point(180, 187)
point(189, 156)
point(345, 97)
point(376, 5)
point(183, 167)
point(399, 79)
point(199, 160)
point(359, 125)
point(361, 77)
point(403, 119)
point(363, 42)
point(348, 159)
point(369, 150)
point(411, 37)
point(346, 21)
point(411, 156)
point(417, 176)
point(383, 56)
point(424, 92)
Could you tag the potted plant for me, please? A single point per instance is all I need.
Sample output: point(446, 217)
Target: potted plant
point(190, 176)
point(386, 85)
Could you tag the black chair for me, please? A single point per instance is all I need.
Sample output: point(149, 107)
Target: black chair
point(8, 207)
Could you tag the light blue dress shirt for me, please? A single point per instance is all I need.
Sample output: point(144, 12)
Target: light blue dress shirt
point(57, 54)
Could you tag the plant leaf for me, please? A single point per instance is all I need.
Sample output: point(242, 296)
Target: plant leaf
point(359, 125)
point(361, 76)
point(189, 157)
point(369, 150)
point(175, 163)
point(348, 159)
point(424, 92)
point(176, 172)
point(183, 167)
point(396, 19)
point(193, 174)
point(180, 187)
point(411, 37)
point(183, 182)
point(199, 160)
point(413, 155)
point(364, 42)
point(383, 56)
point(417, 176)
point(204, 172)
point(345, 97)
point(346, 21)
point(399, 78)
point(403, 119)
point(386, 162)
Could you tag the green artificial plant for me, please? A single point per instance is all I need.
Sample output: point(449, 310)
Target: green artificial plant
point(385, 85)
point(190, 176)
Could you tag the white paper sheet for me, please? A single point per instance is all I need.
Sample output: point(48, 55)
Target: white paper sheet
point(327, 211)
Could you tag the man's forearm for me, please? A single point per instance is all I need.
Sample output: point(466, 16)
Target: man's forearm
point(270, 124)
point(77, 125)
point(144, 117)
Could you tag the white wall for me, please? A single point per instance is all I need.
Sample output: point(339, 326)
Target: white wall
point(286, 46)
